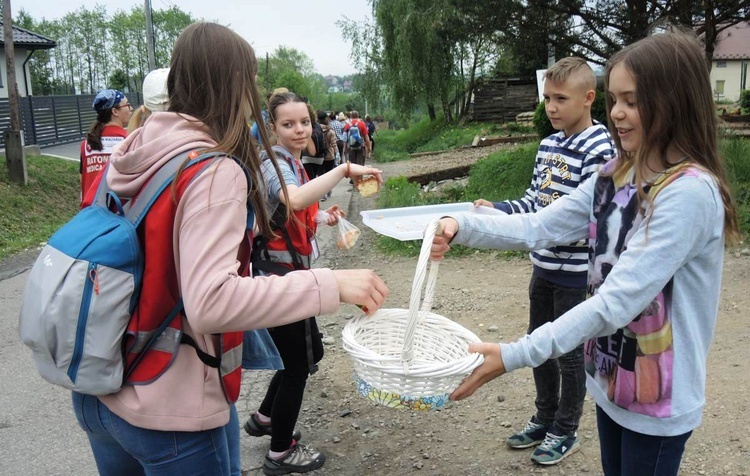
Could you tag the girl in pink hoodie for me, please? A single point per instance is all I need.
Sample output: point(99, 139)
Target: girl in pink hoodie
point(182, 421)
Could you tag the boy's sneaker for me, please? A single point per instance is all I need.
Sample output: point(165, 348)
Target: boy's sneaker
point(532, 434)
point(298, 459)
point(254, 427)
point(555, 448)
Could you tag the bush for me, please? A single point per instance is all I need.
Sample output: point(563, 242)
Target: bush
point(541, 122)
point(544, 126)
point(745, 101)
point(735, 152)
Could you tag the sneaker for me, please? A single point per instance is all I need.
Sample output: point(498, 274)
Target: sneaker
point(532, 434)
point(253, 427)
point(555, 448)
point(298, 459)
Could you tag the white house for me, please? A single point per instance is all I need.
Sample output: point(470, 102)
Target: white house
point(730, 62)
point(25, 43)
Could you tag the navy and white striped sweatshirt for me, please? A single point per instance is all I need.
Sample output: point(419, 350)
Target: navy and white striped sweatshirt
point(563, 163)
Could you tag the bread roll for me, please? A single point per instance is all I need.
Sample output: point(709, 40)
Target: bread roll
point(368, 185)
point(347, 240)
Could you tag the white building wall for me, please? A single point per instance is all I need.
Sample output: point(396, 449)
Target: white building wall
point(731, 75)
point(20, 54)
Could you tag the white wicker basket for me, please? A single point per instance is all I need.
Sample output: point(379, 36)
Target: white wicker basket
point(411, 358)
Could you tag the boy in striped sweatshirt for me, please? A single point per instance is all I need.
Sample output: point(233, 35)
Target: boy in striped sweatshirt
point(558, 283)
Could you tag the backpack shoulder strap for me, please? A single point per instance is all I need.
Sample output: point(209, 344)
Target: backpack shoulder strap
point(164, 177)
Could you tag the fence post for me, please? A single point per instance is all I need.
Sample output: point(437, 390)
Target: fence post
point(31, 118)
point(78, 109)
point(54, 118)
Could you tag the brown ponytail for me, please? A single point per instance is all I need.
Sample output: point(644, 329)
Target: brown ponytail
point(94, 135)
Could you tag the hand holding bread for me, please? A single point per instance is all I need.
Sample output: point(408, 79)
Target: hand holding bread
point(367, 179)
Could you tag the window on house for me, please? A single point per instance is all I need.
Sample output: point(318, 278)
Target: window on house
point(721, 64)
point(719, 90)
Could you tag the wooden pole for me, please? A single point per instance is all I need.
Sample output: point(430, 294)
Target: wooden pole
point(150, 39)
point(15, 154)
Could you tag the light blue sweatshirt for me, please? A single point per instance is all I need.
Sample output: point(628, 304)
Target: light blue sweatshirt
point(654, 292)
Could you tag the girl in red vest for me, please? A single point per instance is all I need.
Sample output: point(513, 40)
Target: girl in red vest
point(112, 116)
point(294, 247)
point(175, 414)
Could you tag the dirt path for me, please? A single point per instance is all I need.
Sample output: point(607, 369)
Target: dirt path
point(479, 292)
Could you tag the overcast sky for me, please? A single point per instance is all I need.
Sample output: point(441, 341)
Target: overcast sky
point(307, 25)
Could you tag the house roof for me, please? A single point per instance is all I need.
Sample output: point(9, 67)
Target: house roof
point(28, 39)
point(733, 43)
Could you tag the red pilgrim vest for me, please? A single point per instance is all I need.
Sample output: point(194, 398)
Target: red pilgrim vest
point(300, 231)
point(160, 294)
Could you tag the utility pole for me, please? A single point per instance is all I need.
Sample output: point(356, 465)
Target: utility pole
point(15, 154)
point(150, 37)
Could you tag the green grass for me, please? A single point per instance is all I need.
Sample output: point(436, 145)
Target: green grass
point(30, 214)
point(429, 136)
point(503, 175)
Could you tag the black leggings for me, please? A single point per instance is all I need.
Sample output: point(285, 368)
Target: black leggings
point(284, 395)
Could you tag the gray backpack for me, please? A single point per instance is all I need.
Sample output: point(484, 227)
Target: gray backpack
point(84, 287)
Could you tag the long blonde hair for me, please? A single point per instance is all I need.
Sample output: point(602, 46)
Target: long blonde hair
point(212, 78)
point(675, 104)
point(138, 118)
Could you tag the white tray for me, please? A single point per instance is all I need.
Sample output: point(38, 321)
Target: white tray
point(409, 223)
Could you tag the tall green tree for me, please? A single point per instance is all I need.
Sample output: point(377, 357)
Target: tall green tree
point(91, 45)
point(417, 54)
point(605, 26)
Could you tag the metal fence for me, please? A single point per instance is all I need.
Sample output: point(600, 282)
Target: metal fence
point(50, 120)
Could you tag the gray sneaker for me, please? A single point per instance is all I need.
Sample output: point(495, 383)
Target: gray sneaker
point(298, 459)
point(532, 434)
point(555, 448)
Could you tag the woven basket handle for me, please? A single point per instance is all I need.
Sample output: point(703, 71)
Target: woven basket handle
point(418, 312)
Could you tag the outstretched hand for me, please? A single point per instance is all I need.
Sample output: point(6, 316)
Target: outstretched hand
point(481, 202)
point(361, 287)
point(356, 171)
point(491, 368)
point(447, 228)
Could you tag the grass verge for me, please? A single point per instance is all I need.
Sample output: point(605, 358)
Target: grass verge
point(30, 214)
point(428, 136)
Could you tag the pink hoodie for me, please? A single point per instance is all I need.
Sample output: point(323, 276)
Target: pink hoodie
point(209, 226)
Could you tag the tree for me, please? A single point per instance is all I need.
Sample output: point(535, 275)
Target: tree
point(367, 57)
point(90, 44)
point(293, 81)
point(605, 26)
point(119, 80)
point(417, 60)
point(168, 24)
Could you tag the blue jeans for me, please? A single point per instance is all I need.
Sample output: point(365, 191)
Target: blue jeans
point(628, 453)
point(123, 449)
point(560, 383)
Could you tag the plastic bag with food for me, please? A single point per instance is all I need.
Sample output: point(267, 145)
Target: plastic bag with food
point(348, 234)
